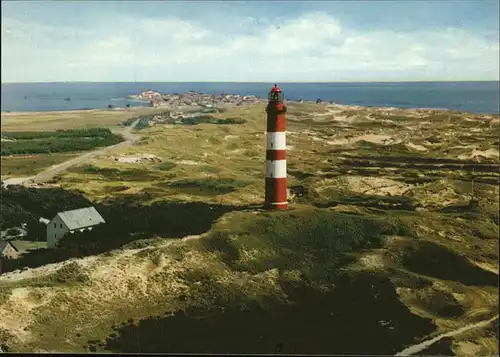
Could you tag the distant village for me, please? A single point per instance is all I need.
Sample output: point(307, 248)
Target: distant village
point(181, 108)
point(193, 99)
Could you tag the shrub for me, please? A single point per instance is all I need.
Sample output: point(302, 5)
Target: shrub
point(311, 241)
point(58, 141)
point(166, 166)
point(209, 119)
point(36, 135)
point(71, 273)
point(220, 185)
point(19, 202)
point(115, 174)
point(209, 169)
point(143, 123)
point(128, 122)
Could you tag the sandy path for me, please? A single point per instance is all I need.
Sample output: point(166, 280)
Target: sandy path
point(86, 262)
point(54, 170)
point(423, 345)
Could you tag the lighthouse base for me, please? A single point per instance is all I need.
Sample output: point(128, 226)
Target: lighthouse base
point(276, 206)
point(276, 194)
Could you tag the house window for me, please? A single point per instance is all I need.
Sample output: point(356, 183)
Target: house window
point(55, 235)
point(55, 225)
point(60, 225)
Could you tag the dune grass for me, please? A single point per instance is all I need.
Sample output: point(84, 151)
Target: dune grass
point(49, 121)
point(252, 261)
point(397, 245)
point(30, 142)
point(29, 165)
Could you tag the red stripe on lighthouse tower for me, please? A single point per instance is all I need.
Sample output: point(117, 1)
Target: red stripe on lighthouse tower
point(276, 190)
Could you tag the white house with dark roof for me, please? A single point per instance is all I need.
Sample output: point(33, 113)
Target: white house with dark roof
point(7, 251)
point(71, 221)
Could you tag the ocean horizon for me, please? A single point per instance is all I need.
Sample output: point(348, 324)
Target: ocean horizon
point(468, 96)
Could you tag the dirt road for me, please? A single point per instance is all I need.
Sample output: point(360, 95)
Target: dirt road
point(423, 345)
point(50, 172)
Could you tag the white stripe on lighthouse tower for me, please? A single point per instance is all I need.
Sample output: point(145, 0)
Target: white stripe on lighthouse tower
point(276, 168)
point(276, 140)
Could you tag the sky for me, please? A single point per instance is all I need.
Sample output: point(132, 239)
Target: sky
point(249, 41)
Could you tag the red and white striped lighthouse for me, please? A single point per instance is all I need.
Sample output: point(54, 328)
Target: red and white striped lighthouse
point(276, 192)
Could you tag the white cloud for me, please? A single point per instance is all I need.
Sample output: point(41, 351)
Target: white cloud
point(313, 47)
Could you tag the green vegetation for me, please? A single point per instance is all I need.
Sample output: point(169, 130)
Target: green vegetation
point(130, 121)
point(13, 214)
point(438, 261)
point(126, 222)
point(27, 166)
point(21, 204)
point(209, 119)
point(274, 326)
point(166, 166)
point(68, 275)
point(24, 245)
point(144, 243)
point(441, 302)
point(280, 266)
point(333, 198)
point(209, 169)
point(243, 270)
point(143, 123)
point(209, 185)
point(73, 133)
point(487, 230)
point(114, 174)
point(319, 236)
point(387, 232)
point(200, 119)
point(57, 141)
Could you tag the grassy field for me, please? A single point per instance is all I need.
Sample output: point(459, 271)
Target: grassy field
point(267, 265)
point(29, 165)
point(75, 119)
point(34, 142)
point(479, 342)
point(328, 160)
point(23, 245)
point(382, 247)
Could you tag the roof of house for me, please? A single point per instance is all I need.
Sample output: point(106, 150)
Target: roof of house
point(4, 244)
point(81, 218)
point(44, 220)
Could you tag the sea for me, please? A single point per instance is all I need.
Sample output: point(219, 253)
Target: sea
point(476, 97)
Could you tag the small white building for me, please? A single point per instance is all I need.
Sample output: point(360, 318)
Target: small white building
point(71, 221)
point(7, 251)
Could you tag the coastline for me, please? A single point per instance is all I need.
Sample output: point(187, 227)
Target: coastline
point(193, 100)
point(227, 106)
point(72, 111)
point(77, 111)
point(471, 97)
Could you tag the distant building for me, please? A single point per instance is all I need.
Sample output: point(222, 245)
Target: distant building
point(7, 251)
point(44, 220)
point(77, 220)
